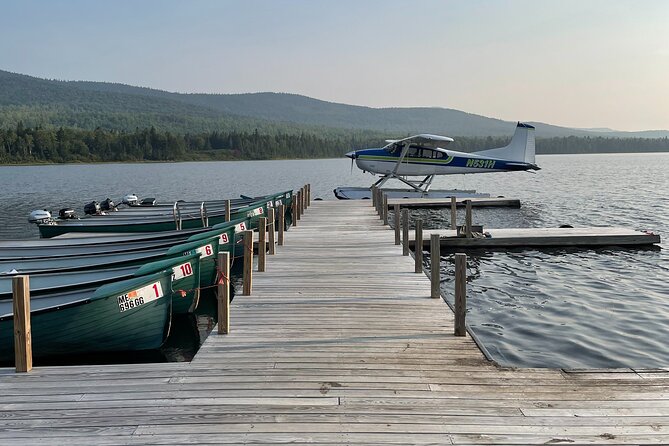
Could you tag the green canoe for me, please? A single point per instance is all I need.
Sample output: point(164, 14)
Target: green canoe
point(157, 224)
point(129, 315)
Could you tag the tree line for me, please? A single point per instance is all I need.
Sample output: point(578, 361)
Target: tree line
point(21, 144)
point(38, 144)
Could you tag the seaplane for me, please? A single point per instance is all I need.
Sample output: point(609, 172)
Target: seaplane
point(426, 156)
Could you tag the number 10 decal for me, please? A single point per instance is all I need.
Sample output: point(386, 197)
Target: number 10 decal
point(181, 271)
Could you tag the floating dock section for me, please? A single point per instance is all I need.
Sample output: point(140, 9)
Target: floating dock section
point(541, 237)
point(338, 343)
point(446, 202)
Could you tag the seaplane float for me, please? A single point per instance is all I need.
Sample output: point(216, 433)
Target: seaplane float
point(426, 156)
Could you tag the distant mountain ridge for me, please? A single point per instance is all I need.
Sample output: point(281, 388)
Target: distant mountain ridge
point(89, 104)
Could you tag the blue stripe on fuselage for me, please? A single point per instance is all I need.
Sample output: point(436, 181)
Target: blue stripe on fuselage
point(458, 161)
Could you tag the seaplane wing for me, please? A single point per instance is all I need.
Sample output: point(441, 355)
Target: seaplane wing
point(423, 140)
point(425, 155)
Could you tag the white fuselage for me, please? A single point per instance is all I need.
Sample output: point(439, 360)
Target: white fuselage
point(415, 169)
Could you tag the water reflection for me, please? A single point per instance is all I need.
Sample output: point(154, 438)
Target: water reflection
point(567, 307)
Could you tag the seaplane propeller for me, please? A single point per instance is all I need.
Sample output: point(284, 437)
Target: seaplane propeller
point(353, 155)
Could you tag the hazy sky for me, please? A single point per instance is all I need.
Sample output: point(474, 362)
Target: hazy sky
point(573, 63)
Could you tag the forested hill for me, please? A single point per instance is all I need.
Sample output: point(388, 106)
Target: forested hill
point(40, 102)
point(88, 105)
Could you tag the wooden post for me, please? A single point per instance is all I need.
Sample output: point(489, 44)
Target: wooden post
point(454, 214)
point(23, 347)
point(385, 209)
point(418, 246)
point(308, 194)
point(272, 227)
point(224, 293)
point(248, 263)
point(405, 232)
point(262, 243)
point(282, 223)
point(435, 265)
point(379, 203)
point(293, 205)
point(304, 198)
point(468, 218)
point(374, 197)
point(396, 208)
point(298, 205)
point(460, 294)
point(227, 210)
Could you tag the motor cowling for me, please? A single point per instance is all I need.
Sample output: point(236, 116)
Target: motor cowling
point(92, 208)
point(108, 205)
point(39, 216)
point(131, 200)
point(67, 214)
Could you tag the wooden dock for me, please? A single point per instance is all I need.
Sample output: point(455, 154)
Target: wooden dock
point(446, 202)
point(542, 237)
point(339, 343)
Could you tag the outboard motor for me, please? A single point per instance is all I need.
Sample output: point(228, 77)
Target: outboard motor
point(92, 208)
point(148, 202)
point(108, 205)
point(131, 200)
point(39, 216)
point(67, 214)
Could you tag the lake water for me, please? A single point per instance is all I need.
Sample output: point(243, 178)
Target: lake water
point(539, 308)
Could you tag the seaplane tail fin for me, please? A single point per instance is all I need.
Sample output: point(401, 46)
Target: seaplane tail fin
point(521, 148)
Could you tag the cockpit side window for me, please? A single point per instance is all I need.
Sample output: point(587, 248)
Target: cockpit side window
point(414, 152)
point(394, 149)
point(437, 155)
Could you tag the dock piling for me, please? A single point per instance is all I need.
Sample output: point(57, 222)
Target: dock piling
point(418, 247)
point(23, 348)
point(379, 203)
point(454, 213)
point(460, 294)
point(223, 296)
point(248, 263)
point(435, 260)
point(298, 204)
point(396, 210)
point(375, 203)
point(203, 215)
point(271, 213)
point(468, 218)
point(228, 203)
point(293, 208)
point(282, 223)
point(262, 243)
point(405, 232)
point(384, 209)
